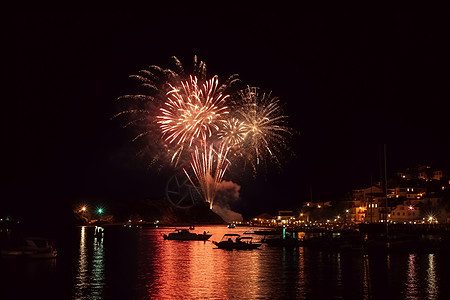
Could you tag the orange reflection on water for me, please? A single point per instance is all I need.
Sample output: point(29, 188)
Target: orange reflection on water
point(198, 269)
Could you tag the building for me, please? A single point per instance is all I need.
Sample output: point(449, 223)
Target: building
point(285, 217)
point(409, 192)
point(405, 213)
point(437, 175)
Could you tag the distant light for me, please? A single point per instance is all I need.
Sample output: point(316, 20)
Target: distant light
point(100, 210)
point(83, 208)
point(411, 207)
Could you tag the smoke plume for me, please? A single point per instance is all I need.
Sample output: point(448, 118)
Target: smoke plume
point(227, 192)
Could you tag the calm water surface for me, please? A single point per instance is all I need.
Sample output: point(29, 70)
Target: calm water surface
point(139, 264)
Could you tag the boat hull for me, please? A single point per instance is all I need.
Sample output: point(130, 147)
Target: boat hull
point(236, 246)
point(199, 237)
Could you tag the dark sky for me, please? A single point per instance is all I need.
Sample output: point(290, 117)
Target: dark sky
point(352, 78)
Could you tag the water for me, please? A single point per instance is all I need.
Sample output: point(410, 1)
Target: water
point(139, 264)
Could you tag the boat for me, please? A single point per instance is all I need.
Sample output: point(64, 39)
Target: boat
point(231, 225)
point(235, 241)
point(38, 247)
point(32, 247)
point(185, 235)
point(268, 232)
point(286, 239)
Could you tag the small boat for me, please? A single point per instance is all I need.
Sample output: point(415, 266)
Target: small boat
point(286, 239)
point(235, 241)
point(38, 247)
point(185, 235)
point(232, 225)
point(32, 247)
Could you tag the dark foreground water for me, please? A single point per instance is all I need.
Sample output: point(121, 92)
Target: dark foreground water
point(139, 264)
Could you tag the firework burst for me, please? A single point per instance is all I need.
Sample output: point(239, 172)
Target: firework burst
point(263, 125)
point(192, 113)
point(190, 120)
point(233, 133)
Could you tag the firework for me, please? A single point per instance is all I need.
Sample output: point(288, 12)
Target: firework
point(233, 133)
point(209, 166)
point(192, 121)
point(263, 125)
point(192, 113)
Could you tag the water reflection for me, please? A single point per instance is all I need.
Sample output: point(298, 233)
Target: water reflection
point(199, 269)
point(90, 275)
point(301, 280)
point(411, 290)
point(140, 264)
point(167, 269)
point(432, 284)
point(366, 278)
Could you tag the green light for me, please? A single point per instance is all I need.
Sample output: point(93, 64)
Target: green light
point(100, 210)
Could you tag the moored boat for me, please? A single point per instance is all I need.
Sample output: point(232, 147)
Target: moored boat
point(286, 239)
point(39, 247)
point(185, 235)
point(32, 247)
point(235, 241)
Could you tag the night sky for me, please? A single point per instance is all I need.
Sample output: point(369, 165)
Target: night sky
point(351, 78)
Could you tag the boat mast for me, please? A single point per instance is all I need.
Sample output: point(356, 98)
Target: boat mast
point(371, 198)
point(385, 192)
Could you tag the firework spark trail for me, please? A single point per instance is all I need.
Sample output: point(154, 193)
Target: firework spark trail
point(198, 123)
point(209, 167)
